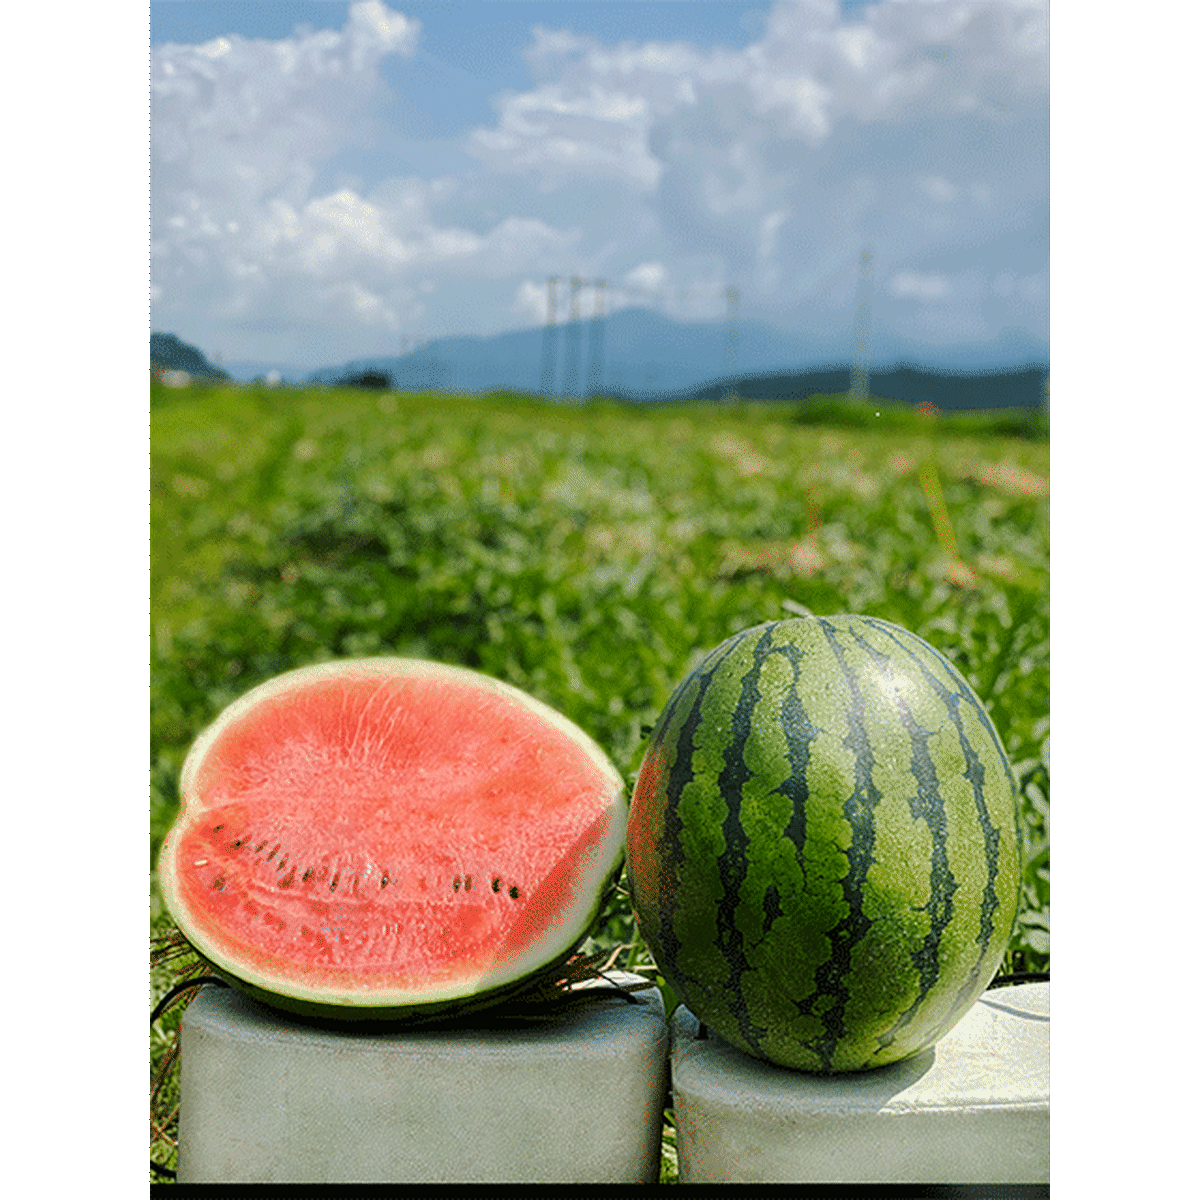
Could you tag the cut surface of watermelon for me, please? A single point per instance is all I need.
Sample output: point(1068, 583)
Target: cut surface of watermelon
point(374, 837)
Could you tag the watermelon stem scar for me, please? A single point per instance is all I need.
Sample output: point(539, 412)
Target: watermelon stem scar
point(336, 821)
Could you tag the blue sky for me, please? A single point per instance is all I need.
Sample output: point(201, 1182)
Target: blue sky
point(341, 180)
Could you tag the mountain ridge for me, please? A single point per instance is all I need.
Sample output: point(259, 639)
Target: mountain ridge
point(168, 350)
point(642, 355)
point(645, 354)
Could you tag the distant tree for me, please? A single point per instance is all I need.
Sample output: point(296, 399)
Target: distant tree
point(369, 379)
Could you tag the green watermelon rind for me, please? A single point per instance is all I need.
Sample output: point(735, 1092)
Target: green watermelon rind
point(752, 844)
point(349, 1005)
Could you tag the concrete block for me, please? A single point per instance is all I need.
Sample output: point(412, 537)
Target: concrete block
point(268, 1098)
point(974, 1109)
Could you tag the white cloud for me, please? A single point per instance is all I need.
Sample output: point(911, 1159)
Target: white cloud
point(768, 270)
point(805, 102)
point(556, 128)
point(909, 285)
point(646, 277)
point(374, 23)
point(939, 189)
point(344, 228)
point(244, 118)
point(820, 118)
point(531, 302)
point(520, 242)
point(242, 129)
point(216, 48)
point(551, 46)
point(917, 128)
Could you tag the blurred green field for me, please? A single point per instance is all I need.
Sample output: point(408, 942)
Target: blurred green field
point(589, 554)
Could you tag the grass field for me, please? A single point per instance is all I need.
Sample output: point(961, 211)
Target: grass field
point(589, 554)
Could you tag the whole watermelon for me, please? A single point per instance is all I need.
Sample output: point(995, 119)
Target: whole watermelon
point(823, 843)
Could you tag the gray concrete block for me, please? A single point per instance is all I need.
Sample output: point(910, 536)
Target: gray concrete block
point(267, 1098)
point(974, 1109)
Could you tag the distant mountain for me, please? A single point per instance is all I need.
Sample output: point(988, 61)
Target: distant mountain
point(640, 354)
point(166, 350)
point(636, 351)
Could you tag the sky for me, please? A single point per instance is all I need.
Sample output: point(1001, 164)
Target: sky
point(332, 181)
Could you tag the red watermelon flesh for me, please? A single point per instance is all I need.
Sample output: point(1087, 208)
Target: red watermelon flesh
point(367, 838)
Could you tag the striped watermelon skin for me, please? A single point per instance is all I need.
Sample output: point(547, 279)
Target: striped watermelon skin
point(823, 846)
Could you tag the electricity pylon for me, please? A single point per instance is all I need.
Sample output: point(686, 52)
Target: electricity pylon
point(860, 382)
point(571, 363)
point(549, 340)
point(596, 341)
point(596, 331)
point(572, 338)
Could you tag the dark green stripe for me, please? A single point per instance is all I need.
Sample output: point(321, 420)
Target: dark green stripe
point(734, 863)
point(858, 809)
point(962, 694)
point(926, 805)
point(669, 847)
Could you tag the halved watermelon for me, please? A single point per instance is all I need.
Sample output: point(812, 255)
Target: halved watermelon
point(385, 837)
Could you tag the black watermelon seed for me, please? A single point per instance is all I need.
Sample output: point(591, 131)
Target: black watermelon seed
point(307, 875)
point(457, 883)
point(467, 883)
point(218, 828)
point(238, 842)
point(384, 881)
point(514, 892)
point(496, 884)
point(333, 885)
